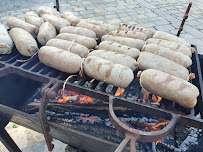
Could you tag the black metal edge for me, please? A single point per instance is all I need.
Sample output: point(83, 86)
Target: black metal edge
point(200, 80)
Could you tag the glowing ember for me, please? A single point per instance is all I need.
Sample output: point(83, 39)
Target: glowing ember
point(146, 96)
point(106, 102)
point(154, 98)
point(151, 127)
point(73, 97)
point(155, 127)
point(119, 92)
point(85, 99)
point(88, 118)
point(64, 99)
point(157, 142)
point(159, 99)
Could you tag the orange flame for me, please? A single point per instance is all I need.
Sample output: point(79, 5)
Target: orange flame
point(157, 142)
point(146, 96)
point(64, 99)
point(88, 118)
point(151, 127)
point(159, 99)
point(155, 127)
point(106, 102)
point(154, 98)
point(119, 92)
point(86, 99)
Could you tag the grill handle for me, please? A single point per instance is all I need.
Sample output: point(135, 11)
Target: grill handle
point(133, 135)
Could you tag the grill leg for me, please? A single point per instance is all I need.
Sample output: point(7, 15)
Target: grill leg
point(7, 140)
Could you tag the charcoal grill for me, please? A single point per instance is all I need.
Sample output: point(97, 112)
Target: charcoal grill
point(54, 79)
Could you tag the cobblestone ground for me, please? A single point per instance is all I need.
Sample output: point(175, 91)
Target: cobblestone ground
point(153, 14)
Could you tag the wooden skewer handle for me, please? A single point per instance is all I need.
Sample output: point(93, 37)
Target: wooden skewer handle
point(184, 19)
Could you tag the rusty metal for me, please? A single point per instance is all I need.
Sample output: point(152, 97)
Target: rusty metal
point(47, 93)
point(133, 135)
point(184, 19)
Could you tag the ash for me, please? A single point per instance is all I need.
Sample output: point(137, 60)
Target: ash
point(192, 140)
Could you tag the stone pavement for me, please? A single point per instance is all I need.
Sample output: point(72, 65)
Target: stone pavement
point(29, 140)
point(153, 14)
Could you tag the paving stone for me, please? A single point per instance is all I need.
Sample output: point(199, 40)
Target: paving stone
point(113, 21)
point(164, 27)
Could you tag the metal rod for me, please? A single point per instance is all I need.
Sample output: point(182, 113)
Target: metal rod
point(184, 19)
point(122, 145)
point(57, 5)
point(8, 141)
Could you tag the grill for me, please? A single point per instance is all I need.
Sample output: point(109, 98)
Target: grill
point(54, 79)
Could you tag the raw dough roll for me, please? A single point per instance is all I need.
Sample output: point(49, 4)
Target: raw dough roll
point(169, 87)
point(6, 43)
point(90, 43)
point(34, 19)
point(79, 31)
point(127, 27)
point(60, 59)
point(99, 30)
point(24, 41)
point(172, 55)
point(130, 34)
point(148, 60)
point(46, 32)
point(57, 22)
point(14, 22)
point(47, 10)
point(108, 72)
point(134, 43)
point(71, 18)
point(170, 37)
point(73, 47)
point(172, 45)
point(115, 58)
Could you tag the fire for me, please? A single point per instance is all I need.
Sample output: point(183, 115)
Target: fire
point(151, 127)
point(85, 99)
point(119, 92)
point(154, 98)
point(64, 99)
point(88, 118)
point(106, 102)
point(74, 97)
point(157, 142)
point(146, 96)
point(155, 127)
point(159, 99)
